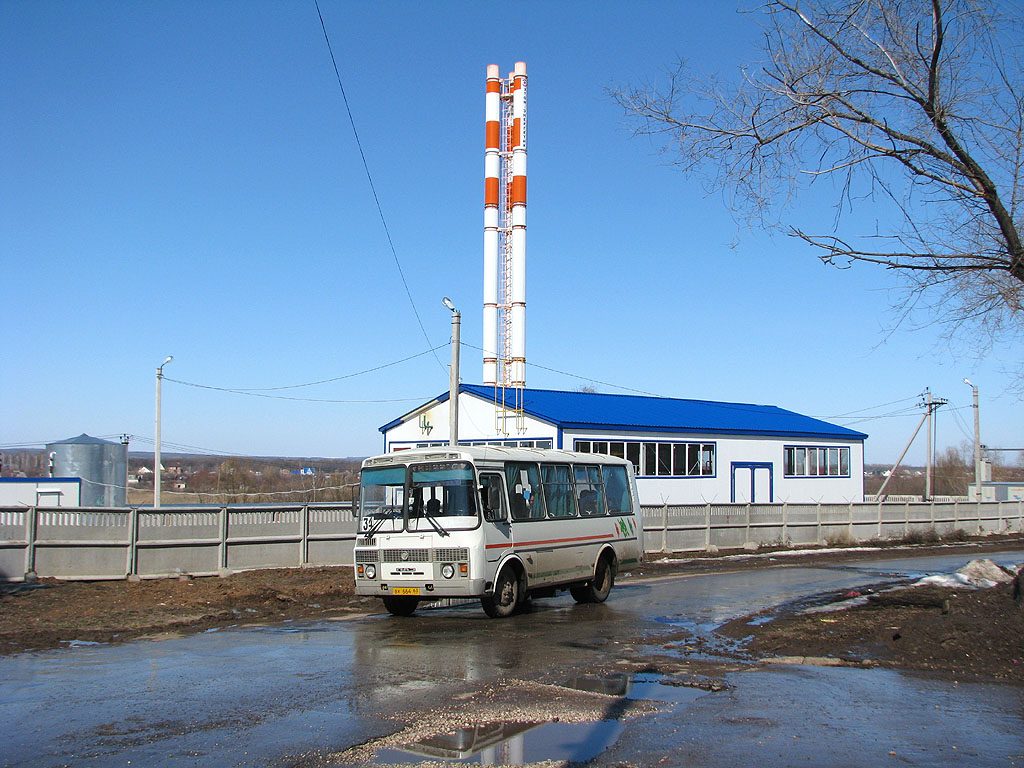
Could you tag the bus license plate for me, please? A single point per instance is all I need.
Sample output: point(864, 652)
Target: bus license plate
point(405, 591)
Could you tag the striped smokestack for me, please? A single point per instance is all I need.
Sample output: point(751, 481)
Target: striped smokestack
point(504, 321)
point(492, 167)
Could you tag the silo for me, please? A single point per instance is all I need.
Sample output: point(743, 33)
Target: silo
point(102, 465)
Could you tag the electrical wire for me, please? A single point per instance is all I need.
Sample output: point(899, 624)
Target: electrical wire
point(336, 378)
point(369, 178)
point(576, 375)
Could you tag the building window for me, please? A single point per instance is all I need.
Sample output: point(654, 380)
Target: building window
point(653, 459)
point(502, 443)
point(815, 461)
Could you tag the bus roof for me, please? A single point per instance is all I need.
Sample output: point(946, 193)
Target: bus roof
point(485, 453)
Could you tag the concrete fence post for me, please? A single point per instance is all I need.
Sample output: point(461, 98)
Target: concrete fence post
point(131, 565)
point(707, 527)
point(664, 528)
point(31, 525)
point(818, 538)
point(849, 525)
point(304, 538)
point(956, 515)
point(879, 519)
point(906, 518)
point(746, 529)
point(222, 547)
point(785, 522)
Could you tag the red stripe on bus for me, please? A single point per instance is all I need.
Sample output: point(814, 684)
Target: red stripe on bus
point(549, 541)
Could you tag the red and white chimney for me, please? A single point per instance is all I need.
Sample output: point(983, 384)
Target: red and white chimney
point(504, 320)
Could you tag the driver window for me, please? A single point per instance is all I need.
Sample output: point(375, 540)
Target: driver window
point(492, 494)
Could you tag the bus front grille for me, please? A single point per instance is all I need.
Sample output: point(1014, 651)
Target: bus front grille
point(451, 555)
point(366, 556)
point(404, 555)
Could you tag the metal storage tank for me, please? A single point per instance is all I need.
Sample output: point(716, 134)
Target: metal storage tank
point(102, 465)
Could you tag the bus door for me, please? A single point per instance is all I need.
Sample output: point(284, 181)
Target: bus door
point(497, 526)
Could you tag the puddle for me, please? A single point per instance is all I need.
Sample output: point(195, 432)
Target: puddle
point(611, 685)
point(655, 688)
point(504, 743)
point(509, 744)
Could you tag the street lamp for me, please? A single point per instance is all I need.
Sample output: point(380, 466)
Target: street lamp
point(977, 443)
point(156, 442)
point(453, 377)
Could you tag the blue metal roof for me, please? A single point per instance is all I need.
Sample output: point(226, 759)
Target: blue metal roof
point(639, 413)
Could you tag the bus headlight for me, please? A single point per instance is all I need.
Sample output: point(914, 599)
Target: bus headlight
point(371, 571)
point(448, 570)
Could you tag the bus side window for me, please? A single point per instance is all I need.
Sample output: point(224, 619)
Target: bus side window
point(589, 490)
point(524, 489)
point(616, 489)
point(493, 495)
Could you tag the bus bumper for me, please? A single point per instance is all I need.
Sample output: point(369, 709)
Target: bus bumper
point(424, 590)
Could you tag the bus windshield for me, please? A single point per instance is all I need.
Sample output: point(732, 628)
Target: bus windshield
point(381, 499)
point(442, 489)
point(433, 496)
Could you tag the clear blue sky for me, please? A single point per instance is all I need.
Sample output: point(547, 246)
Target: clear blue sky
point(181, 178)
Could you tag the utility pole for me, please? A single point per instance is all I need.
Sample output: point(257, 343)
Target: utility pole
point(932, 404)
point(156, 443)
point(928, 448)
point(977, 442)
point(453, 377)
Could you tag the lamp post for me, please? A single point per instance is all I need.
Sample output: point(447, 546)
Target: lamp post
point(453, 378)
point(977, 443)
point(156, 442)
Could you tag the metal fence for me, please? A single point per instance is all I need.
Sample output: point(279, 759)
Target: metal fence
point(104, 543)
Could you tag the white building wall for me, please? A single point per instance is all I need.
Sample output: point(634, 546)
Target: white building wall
point(477, 421)
point(429, 425)
point(42, 492)
point(740, 449)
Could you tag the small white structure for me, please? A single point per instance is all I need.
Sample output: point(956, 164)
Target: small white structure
point(40, 491)
point(683, 451)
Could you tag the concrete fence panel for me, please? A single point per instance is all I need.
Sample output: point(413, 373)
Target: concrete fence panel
point(92, 543)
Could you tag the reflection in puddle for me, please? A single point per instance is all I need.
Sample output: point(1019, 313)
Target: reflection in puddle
point(510, 744)
point(612, 685)
point(528, 742)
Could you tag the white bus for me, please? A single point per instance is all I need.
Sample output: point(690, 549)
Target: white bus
point(500, 524)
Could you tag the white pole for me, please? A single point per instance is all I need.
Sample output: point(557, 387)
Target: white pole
point(156, 441)
point(453, 375)
point(928, 449)
point(977, 442)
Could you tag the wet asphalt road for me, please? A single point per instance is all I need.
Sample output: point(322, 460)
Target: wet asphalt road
point(301, 693)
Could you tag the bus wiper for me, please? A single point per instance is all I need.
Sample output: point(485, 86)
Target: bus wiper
point(376, 524)
point(434, 524)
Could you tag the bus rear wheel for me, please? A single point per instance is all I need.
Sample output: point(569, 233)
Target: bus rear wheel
point(506, 596)
point(597, 589)
point(401, 606)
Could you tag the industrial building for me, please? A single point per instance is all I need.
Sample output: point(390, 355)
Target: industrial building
point(84, 471)
point(683, 451)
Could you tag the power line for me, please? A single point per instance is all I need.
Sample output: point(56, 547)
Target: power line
point(336, 378)
point(287, 397)
point(369, 178)
point(871, 408)
point(261, 391)
point(577, 376)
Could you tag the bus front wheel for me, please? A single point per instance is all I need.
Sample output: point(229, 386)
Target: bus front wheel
point(506, 596)
point(401, 606)
point(597, 589)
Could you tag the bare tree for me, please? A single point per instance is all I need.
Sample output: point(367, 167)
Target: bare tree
point(914, 106)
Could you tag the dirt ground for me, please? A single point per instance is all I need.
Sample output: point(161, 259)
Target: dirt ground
point(966, 633)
